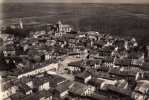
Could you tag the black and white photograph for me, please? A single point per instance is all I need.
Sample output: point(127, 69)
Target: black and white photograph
point(74, 49)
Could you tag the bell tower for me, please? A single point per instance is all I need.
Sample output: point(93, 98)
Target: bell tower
point(60, 25)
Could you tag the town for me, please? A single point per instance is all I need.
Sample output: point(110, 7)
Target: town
point(56, 62)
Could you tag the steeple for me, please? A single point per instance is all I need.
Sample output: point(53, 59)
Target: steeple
point(59, 22)
point(59, 26)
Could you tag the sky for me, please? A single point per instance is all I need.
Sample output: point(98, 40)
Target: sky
point(80, 1)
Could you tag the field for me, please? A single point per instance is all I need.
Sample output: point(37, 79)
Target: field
point(117, 19)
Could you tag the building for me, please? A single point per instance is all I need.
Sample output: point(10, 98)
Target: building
point(122, 84)
point(62, 89)
point(44, 95)
point(28, 81)
point(96, 82)
point(121, 92)
point(25, 89)
point(9, 88)
point(37, 71)
point(63, 28)
point(41, 83)
point(79, 89)
point(125, 73)
point(16, 96)
point(108, 62)
point(83, 77)
point(76, 66)
point(141, 90)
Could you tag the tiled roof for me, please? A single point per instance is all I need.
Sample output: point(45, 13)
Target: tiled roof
point(64, 86)
point(78, 88)
point(17, 96)
point(83, 75)
point(119, 90)
point(23, 87)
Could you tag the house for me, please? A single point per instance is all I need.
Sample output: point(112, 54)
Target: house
point(137, 62)
point(16, 96)
point(41, 83)
point(28, 81)
point(74, 54)
point(137, 58)
point(81, 35)
point(83, 77)
point(122, 84)
point(119, 43)
point(106, 82)
point(94, 55)
point(4, 36)
point(122, 62)
point(75, 66)
point(142, 86)
point(92, 33)
point(120, 91)
point(125, 73)
point(38, 55)
point(101, 80)
point(30, 97)
point(104, 52)
point(62, 89)
point(99, 44)
point(138, 96)
point(9, 50)
point(96, 82)
point(94, 63)
point(40, 95)
point(97, 96)
point(108, 61)
point(55, 80)
point(100, 74)
point(9, 88)
point(30, 71)
point(141, 90)
point(104, 68)
point(69, 36)
point(44, 95)
point(25, 89)
point(80, 89)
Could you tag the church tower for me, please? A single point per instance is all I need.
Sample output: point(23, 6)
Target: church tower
point(60, 25)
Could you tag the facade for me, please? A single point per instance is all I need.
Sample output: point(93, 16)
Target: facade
point(63, 28)
point(8, 89)
point(79, 89)
point(39, 70)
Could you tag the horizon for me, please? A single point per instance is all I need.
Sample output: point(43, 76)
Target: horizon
point(74, 3)
point(79, 1)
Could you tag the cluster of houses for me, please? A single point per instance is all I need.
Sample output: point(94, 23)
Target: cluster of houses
point(109, 68)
